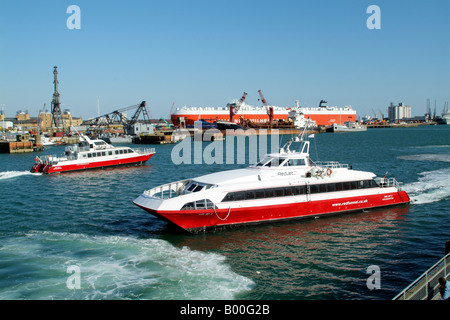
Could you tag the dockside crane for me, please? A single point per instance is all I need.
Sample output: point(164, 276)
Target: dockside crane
point(56, 104)
point(118, 117)
point(374, 115)
point(269, 108)
point(234, 107)
point(434, 113)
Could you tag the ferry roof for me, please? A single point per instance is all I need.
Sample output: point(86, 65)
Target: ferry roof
point(229, 177)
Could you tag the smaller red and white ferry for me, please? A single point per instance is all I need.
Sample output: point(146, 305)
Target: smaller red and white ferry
point(283, 186)
point(91, 154)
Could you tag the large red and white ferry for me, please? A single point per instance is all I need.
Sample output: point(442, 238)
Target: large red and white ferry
point(282, 186)
point(91, 154)
point(323, 115)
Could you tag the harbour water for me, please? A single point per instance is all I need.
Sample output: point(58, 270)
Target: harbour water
point(49, 224)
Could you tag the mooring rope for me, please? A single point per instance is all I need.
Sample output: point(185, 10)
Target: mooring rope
point(228, 214)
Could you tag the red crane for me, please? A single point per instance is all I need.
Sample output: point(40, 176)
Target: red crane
point(234, 107)
point(269, 108)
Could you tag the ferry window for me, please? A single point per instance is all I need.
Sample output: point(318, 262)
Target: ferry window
point(110, 153)
point(198, 188)
point(263, 162)
point(322, 188)
point(200, 204)
point(210, 204)
point(298, 190)
point(94, 154)
point(229, 197)
point(239, 196)
point(339, 186)
point(347, 185)
point(99, 154)
point(189, 206)
point(373, 184)
point(279, 192)
point(103, 154)
point(269, 193)
point(288, 191)
point(89, 155)
point(117, 152)
point(268, 164)
point(259, 194)
point(121, 151)
point(302, 189)
point(275, 162)
point(366, 183)
point(191, 187)
point(297, 162)
point(249, 195)
point(354, 185)
point(284, 162)
point(313, 188)
point(331, 187)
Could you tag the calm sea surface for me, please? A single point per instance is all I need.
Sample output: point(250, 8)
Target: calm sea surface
point(50, 225)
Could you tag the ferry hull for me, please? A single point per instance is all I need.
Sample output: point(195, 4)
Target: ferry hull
point(58, 168)
point(195, 221)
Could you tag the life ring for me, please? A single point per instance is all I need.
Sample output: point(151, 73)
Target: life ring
point(329, 172)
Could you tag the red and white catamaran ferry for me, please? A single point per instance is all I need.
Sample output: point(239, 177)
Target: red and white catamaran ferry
point(283, 186)
point(91, 154)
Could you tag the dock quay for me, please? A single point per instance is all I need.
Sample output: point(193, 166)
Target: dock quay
point(400, 125)
point(16, 146)
point(176, 135)
point(157, 137)
point(426, 287)
point(24, 142)
point(19, 143)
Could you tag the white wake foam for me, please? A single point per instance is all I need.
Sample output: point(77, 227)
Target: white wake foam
point(427, 157)
point(115, 267)
point(432, 186)
point(14, 174)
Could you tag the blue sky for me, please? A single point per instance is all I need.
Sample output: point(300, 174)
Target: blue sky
point(205, 53)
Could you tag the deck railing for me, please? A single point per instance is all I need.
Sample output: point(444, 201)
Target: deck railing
point(76, 148)
point(331, 164)
point(167, 191)
point(387, 182)
point(426, 286)
point(144, 150)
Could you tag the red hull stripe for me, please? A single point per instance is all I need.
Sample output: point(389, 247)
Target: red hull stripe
point(98, 164)
point(194, 220)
